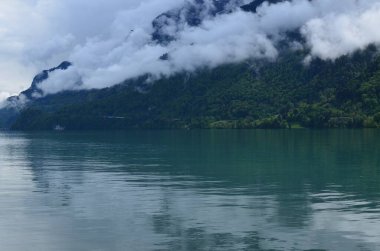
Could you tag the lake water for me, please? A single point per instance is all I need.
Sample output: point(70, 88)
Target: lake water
point(190, 190)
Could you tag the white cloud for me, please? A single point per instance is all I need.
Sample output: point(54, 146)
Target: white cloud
point(339, 34)
point(39, 34)
point(228, 38)
point(110, 41)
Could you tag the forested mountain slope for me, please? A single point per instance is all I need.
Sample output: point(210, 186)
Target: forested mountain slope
point(253, 94)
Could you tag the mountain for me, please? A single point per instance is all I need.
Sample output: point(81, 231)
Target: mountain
point(193, 13)
point(254, 5)
point(15, 104)
point(281, 93)
point(253, 94)
point(34, 91)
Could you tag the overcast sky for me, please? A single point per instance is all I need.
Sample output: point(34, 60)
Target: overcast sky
point(96, 35)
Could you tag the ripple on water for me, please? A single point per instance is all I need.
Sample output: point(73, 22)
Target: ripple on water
point(190, 191)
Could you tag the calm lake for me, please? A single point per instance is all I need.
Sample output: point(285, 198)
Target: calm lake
point(190, 190)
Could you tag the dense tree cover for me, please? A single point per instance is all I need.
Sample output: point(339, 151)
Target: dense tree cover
point(7, 117)
point(284, 93)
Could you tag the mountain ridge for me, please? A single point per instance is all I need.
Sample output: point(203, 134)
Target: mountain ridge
point(194, 13)
point(278, 93)
point(253, 94)
point(13, 105)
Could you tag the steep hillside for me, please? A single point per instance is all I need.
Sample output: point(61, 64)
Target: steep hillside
point(253, 94)
point(13, 105)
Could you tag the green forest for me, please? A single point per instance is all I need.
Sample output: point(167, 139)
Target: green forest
point(284, 93)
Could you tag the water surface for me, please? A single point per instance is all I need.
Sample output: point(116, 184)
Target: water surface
point(190, 190)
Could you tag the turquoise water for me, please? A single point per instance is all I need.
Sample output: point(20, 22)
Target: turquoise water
point(190, 190)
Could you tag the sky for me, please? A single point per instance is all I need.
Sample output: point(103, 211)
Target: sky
point(109, 41)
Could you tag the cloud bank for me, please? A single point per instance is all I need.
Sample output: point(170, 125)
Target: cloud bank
point(112, 41)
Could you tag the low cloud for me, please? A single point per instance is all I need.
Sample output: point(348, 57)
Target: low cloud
point(338, 34)
point(112, 42)
point(3, 97)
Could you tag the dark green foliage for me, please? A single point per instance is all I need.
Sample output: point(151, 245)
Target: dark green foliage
point(280, 94)
point(7, 117)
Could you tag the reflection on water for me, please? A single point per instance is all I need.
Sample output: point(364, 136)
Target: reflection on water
point(190, 190)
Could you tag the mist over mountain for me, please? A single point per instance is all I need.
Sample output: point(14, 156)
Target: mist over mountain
point(146, 42)
point(174, 36)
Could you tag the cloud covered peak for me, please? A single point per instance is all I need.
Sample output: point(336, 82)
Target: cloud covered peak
point(118, 39)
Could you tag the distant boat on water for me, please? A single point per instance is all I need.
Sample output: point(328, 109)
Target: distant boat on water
point(58, 128)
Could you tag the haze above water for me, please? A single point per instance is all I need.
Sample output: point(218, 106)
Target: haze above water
point(190, 190)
